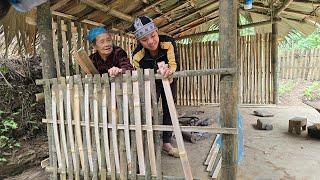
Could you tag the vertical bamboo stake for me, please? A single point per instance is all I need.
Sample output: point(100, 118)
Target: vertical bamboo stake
point(105, 123)
point(137, 114)
point(143, 122)
point(96, 120)
point(112, 156)
point(175, 122)
point(156, 121)
point(79, 35)
point(59, 40)
point(65, 50)
point(85, 165)
point(122, 148)
point(148, 111)
point(76, 116)
point(52, 150)
point(73, 145)
point(114, 120)
point(126, 123)
point(69, 39)
point(56, 54)
point(85, 31)
point(133, 166)
point(64, 152)
point(55, 127)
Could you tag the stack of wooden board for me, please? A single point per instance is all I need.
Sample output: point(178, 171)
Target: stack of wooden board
point(213, 160)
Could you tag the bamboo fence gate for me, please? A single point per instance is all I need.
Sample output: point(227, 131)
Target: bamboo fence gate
point(98, 128)
point(300, 64)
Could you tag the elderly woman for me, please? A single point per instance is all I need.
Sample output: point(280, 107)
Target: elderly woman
point(108, 58)
point(154, 48)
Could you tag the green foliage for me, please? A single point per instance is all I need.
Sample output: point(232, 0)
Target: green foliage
point(297, 40)
point(312, 92)
point(286, 87)
point(7, 143)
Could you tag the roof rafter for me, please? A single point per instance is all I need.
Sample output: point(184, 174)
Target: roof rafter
point(284, 6)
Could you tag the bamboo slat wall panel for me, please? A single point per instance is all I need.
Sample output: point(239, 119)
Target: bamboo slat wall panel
point(300, 64)
point(254, 66)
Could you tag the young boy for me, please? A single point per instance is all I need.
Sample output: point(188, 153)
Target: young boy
point(154, 48)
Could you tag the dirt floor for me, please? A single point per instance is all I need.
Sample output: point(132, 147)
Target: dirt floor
point(272, 154)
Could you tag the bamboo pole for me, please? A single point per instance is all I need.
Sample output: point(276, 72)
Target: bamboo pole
point(133, 165)
point(175, 122)
point(62, 132)
point(126, 123)
point(73, 145)
point(55, 129)
point(148, 112)
point(114, 120)
point(122, 147)
point(106, 82)
point(137, 114)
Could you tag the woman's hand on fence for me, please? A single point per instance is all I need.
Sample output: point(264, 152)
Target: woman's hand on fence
point(114, 71)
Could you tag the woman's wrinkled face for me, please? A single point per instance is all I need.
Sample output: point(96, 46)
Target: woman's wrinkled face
point(150, 41)
point(103, 44)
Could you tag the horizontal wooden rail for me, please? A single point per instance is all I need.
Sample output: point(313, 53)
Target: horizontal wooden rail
point(139, 176)
point(161, 127)
point(186, 73)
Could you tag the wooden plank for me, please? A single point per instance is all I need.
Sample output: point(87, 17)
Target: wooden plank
point(143, 121)
point(69, 40)
point(114, 121)
point(156, 121)
point(122, 147)
point(148, 111)
point(52, 155)
point(56, 53)
point(55, 128)
point(175, 122)
point(76, 115)
point(211, 149)
point(112, 166)
point(73, 145)
point(126, 123)
point(65, 51)
point(133, 166)
point(84, 61)
point(105, 124)
point(85, 165)
point(96, 119)
point(137, 117)
point(63, 137)
point(213, 158)
point(217, 170)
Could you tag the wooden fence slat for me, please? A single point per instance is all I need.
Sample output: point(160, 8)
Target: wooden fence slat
point(137, 114)
point(114, 120)
point(126, 122)
point(148, 112)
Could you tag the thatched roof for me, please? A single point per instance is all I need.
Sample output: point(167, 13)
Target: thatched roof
point(174, 17)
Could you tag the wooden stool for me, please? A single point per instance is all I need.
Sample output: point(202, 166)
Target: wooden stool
point(296, 124)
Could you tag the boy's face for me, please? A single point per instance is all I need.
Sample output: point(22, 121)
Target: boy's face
point(150, 41)
point(103, 44)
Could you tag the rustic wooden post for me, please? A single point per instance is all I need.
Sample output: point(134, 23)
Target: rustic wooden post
point(274, 60)
point(44, 23)
point(229, 86)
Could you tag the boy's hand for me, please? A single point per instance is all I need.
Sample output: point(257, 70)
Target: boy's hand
point(165, 71)
point(114, 71)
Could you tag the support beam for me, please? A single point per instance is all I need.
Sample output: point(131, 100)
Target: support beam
point(59, 4)
point(45, 35)
point(108, 10)
point(274, 62)
point(240, 27)
point(195, 22)
point(229, 86)
point(284, 6)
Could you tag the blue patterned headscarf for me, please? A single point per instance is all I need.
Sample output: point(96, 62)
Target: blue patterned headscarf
point(94, 32)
